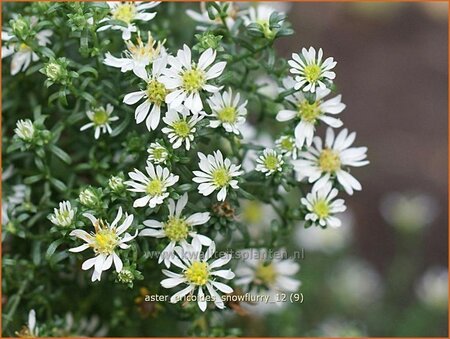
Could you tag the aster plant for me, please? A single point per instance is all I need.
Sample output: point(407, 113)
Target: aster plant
point(125, 125)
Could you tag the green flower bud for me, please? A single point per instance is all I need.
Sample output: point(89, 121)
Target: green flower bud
point(115, 183)
point(125, 276)
point(89, 197)
point(21, 27)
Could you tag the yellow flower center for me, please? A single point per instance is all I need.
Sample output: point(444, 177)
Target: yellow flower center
point(321, 208)
point(156, 92)
point(197, 273)
point(181, 128)
point(271, 162)
point(252, 212)
point(141, 50)
point(176, 229)
point(266, 273)
point(155, 187)
point(287, 144)
point(100, 117)
point(125, 12)
point(24, 47)
point(220, 177)
point(312, 73)
point(329, 161)
point(105, 239)
point(228, 114)
point(309, 112)
point(159, 153)
point(193, 80)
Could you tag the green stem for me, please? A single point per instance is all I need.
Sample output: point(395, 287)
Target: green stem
point(16, 302)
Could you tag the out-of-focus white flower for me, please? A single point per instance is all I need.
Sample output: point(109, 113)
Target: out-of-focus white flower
point(310, 71)
point(407, 211)
point(128, 12)
point(267, 86)
point(227, 111)
point(257, 269)
point(269, 162)
point(321, 207)
point(180, 127)
point(260, 15)
point(22, 54)
point(321, 163)
point(100, 120)
point(64, 215)
point(154, 95)
point(432, 288)
point(137, 57)
point(256, 216)
point(154, 185)
point(329, 240)
point(339, 328)
point(105, 242)
point(308, 114)
point(204, 20)
point(355, 283)
point(187, 79)
point(216, 173)
point(25, 130)
point(177, 228)
point(198, 273)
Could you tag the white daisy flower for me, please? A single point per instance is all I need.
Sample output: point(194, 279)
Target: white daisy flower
point(104, 242)
point(216, 173)
point(227, 111)
point(321, 163)
point(154, 185)
point(177, 228)
point(309, 70)
point(137, 57)
point(258, 270)
point(269, 162)
point(64, 215)
point(100, 120)
point(181, 127)
point(198, 273)
point(310, 113)
point(154, 95)
point(187, 78)
point(203, 18)
point(22, 54)
point(25, 130)
point(128, 12)
point(286, 145)
point(321, 206)
point(158, 154)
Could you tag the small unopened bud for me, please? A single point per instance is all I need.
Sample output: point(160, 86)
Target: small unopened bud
point(21, 27)
point(115, 183)
point(88, 197)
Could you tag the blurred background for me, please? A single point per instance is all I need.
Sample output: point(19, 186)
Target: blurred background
point(385, 272)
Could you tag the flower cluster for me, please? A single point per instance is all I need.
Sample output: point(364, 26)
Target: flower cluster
point(205, 142)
